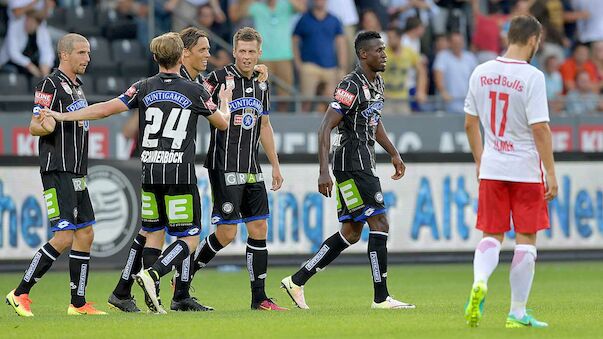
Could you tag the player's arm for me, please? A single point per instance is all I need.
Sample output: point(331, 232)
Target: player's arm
point(544, 145)
point(267, 140)
point(474, 136)
point(94, 112)
point(41, 126)
point(330, 121)
point(422, 80)
point(383, 140)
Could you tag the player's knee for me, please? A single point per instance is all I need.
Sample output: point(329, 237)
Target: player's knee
point(226, 234)
point(62, 240)
point(352, 235)
point(379, 223)
point(85, 236)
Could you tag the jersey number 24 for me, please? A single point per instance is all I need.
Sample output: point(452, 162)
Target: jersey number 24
point(154, 116)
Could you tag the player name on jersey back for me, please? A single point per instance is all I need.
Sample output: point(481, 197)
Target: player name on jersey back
point(161, 157)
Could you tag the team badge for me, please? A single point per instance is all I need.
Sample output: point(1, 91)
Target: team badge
point(263, 85)
point(227, 207)
point(367, 92)
point(66, 88)
point(248, 119)
point(379, 197)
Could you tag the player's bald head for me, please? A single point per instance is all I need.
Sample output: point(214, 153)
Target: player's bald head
point(67, 43)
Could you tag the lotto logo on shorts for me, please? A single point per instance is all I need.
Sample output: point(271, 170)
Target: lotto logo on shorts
point(179, 208)
point(344, 96)
point(52, 204)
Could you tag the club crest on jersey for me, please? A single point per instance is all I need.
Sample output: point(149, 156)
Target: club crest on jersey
point(344, 96)
point(263, 86)
point(67, 88)
point(367, 92)
point(171, 96)
point(85, 124)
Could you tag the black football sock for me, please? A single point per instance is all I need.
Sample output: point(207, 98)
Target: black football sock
point(149, 257)
point(377, 254)
point(123, 290)
point(257, 265)
point(208, 248)
point(171, 257)
point(184, 278)
point(40, 264)
point(79, 266)
point(329, 250)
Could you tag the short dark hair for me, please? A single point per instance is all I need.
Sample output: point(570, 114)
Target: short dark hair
point(191, 35)
point(412, 23)
point(247, 34)
point(362, 38)
point(522, 28)
point(167, 49)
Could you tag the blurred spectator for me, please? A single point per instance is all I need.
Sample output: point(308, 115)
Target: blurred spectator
point(583, 99)
point(162, 17)
point(274, 21)
point(28, 46)
point(236, 9)
point(184, 12)
point(487, 32)
point(597, 53)
point(440, 43)
point(589, 28)
point(206, 17)
point(346, 12)
point(399, 86)
point(319, 52)
point(413, 32)
point(370, 22)
point(405, 9)
point(554, 83)
point(379, 7)
point(452, 16)
point(452, 70)
point(578, 62)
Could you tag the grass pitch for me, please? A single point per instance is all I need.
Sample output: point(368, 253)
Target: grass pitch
point(569, 296)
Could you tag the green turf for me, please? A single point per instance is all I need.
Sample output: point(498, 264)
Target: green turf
point(569, 296)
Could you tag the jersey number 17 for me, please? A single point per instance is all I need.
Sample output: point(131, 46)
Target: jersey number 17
point(504, 97)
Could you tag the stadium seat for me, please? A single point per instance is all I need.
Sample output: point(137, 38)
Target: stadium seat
point(110, 86)
point(82, 20)
point(126, 49)
point(57, 19)
point(131, 68)
point(101, 62)
point(115, 26)
point(14, 83)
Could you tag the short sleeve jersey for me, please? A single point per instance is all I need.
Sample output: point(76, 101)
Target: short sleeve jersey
point(508, 96)
point(168, 107)
point(236, 149)
point(360, 102)
point(66, 148)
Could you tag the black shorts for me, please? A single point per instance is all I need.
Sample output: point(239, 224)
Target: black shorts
point(238, 197)
point(176, 208)
point(359, 195)
point(67, 200)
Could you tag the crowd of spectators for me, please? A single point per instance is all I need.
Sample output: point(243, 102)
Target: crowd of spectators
point(432, 45)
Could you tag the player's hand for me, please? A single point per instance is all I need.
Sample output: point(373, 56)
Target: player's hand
point(551, 187)
point(399, 167)
point(48, 113)
point(225, 94)
point(325, 184)
point(277, 179)
point(263, 70)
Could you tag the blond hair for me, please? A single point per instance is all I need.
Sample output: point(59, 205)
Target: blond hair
point(246, 34)
point(167, 49)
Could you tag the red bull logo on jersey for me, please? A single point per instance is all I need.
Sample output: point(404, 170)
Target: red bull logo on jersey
point(171, 96)
point(501, 80)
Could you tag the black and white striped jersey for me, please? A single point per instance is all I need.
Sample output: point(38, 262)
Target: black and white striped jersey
point(168, 106)
point(360, 102)
point(65, 149)
point(236, 149)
